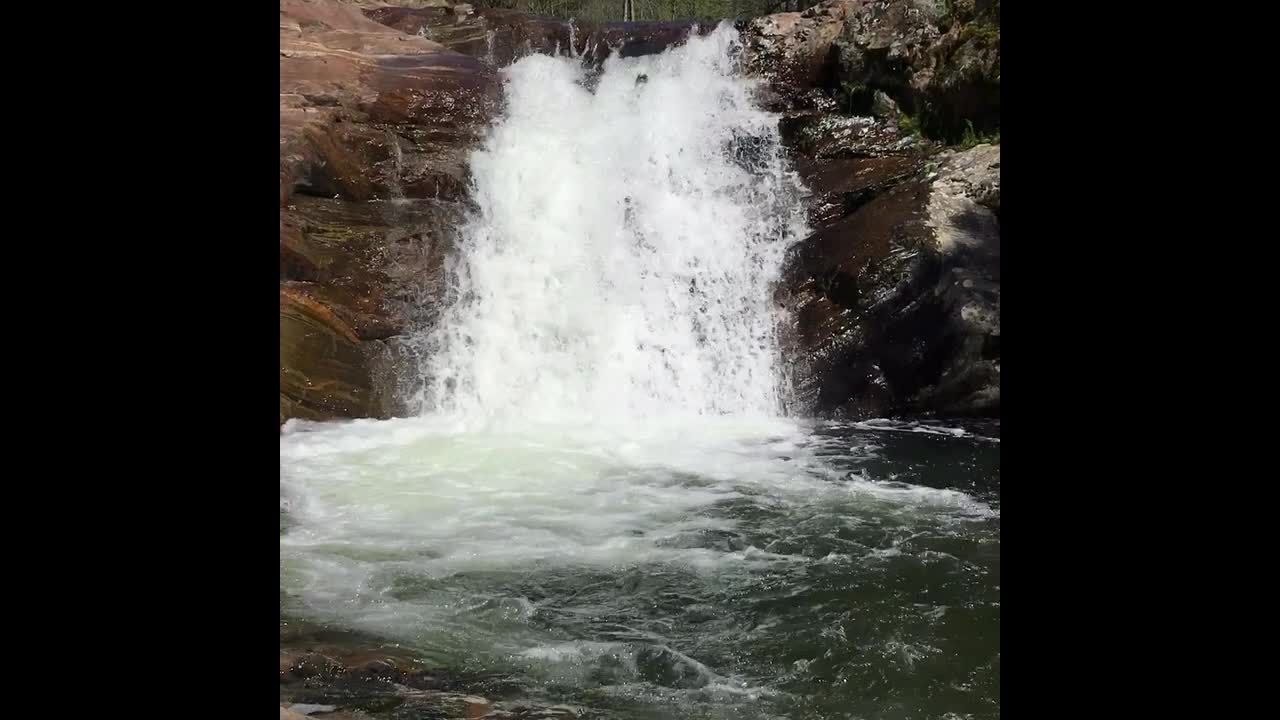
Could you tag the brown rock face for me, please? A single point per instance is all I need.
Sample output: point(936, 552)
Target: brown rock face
point(794, 51)
point(325, 369)
point(375, 127)
point(896, 297)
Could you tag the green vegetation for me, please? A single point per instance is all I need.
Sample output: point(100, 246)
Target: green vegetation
point(971, 138)
point(854, 98)
point(963, 11)
point(910, 124)
point(985, 34)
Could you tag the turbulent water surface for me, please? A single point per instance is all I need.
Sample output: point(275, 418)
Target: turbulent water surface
point(602, 502)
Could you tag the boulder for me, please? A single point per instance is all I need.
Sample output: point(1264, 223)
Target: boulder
point(895, 299)
point(937, 59)
point(794, 53)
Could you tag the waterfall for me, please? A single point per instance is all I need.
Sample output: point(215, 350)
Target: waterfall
point(631, 222)
point(602, 501)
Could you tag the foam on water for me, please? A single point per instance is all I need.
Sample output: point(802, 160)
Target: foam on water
point(915, 426)
point(423, 496)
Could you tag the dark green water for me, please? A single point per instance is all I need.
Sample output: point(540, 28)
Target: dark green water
point(853, 573)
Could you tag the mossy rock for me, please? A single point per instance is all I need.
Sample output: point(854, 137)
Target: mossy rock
point(938, 61)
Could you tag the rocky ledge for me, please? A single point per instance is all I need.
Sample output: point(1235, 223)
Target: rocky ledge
point(895, 297)
point(328, 674)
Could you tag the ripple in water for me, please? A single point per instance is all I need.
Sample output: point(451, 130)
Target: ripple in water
point(744, 569)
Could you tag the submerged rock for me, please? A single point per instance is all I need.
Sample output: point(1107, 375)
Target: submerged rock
point(315, 665)
point(306, 709)
point(476, 707)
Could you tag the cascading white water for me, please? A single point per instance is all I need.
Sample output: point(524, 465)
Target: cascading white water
point(600, 497)
point(620, 264)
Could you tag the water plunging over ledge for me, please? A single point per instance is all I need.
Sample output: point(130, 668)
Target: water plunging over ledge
point(602, 501)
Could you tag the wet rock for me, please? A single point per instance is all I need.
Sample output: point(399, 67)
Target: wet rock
point(883, 106)
point(556, 712)
point(840, 186)
point(896, 301)
point(345, 675)
point(833, 136)
point(287, 660)
point(428, 680)
point(370, 118)
point(665, 668)
point(344, 692)
point(380, 670)
point(420, 709)
point(476, 707)
point(325, 369)
point(793, 52)
point(974, 175)
point(895, 296)
point(315, 665)
point(308, 709)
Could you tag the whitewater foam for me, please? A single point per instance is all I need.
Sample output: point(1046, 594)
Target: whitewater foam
point(620, 266)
